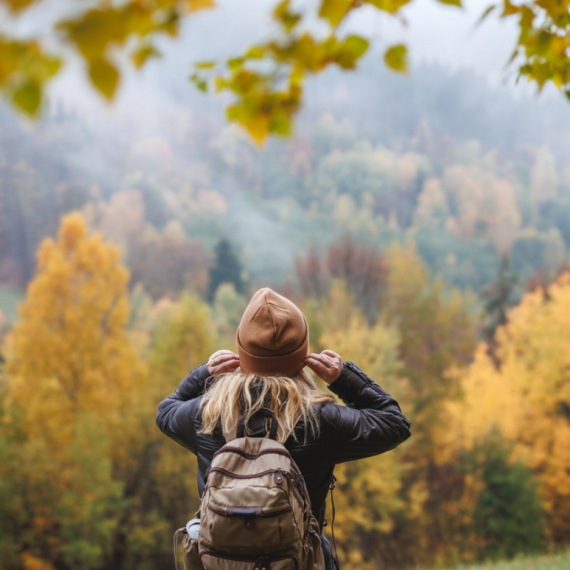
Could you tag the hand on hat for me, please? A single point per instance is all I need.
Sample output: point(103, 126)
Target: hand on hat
point(222, 361)
point(327, 365)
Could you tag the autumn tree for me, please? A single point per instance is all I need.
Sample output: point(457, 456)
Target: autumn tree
point(360, 266)
point(167, 263)
point(367, 497)
point(75, 411)
point(527, 398)
point(422, 332)
point(437, 334)
point(183, 338)
point(312, 273)
point(227, 309)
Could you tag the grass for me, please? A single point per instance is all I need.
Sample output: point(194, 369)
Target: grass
point(545, 562)
point(9, 299)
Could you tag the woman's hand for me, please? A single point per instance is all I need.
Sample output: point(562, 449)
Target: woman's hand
point(327, 365)
point(222, 361)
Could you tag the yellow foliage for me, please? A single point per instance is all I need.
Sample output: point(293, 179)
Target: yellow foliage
point(69, 354)
point(371, 485)
point(528, 396)
point(184, 339)
point(30, 562)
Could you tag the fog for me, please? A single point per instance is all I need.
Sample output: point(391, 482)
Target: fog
point(457, 101)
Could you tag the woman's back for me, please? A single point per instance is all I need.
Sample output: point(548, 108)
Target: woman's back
point(203, 414)
point(370, 423)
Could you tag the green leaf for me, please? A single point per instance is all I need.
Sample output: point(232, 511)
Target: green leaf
point(28, 97)
point(104, 77)
point(199, 82)
point(396, 58)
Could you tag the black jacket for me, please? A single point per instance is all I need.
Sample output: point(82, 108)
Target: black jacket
point(370, 423)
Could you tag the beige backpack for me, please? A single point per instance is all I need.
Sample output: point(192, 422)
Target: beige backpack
point(255, 512)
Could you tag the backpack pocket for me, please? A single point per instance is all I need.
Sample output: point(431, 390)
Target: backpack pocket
point(189, 551)
point(191, 556)
point(217, 561)
point(241, 531)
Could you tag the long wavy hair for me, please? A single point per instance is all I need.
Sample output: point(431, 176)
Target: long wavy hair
point(235, 394)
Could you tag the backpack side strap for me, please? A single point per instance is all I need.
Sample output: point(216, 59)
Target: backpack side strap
point(176, 538)
point(333, 513)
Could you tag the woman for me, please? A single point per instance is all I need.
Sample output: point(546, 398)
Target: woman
point(269, 372)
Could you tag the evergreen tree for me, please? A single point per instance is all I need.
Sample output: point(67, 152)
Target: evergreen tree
point(226, 269)
point(508, 518)
point(498, 298)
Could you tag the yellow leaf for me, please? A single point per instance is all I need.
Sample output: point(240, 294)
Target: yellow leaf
point(205, 64)
point(351, 49)
point(143, 54)
point(396, 58)
point(255, 52)
point(335, 10)
point(451, 2)
point(390, 6)
point(28, 97)
point(257, 126)
point(104, 76)
point(18, 5)
point(195, 5)
point(283, 14)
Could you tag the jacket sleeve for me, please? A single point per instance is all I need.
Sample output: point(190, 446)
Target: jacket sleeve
point(176, 414)
point(370, 423)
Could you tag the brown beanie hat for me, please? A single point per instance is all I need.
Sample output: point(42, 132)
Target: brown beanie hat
point(273, 336)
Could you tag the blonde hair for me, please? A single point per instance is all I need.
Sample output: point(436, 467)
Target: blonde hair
point(237, 393)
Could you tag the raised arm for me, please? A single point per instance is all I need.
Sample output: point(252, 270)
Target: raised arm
point(176, 414)
point(370, 423)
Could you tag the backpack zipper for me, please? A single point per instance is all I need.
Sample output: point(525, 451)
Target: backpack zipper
point(246, 455)
point(236, 476)
point(252, 559)
point(223, 512)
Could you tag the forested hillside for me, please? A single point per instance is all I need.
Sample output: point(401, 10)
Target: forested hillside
point(466, 188)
